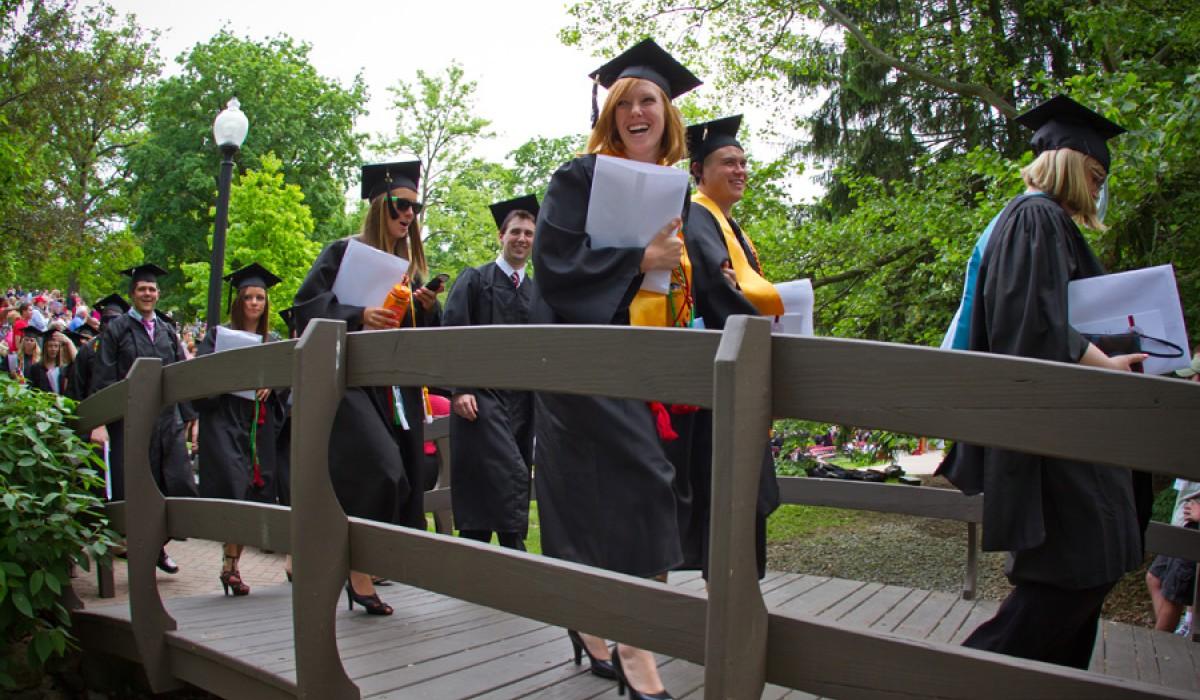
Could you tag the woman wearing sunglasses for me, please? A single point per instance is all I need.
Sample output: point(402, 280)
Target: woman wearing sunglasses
point(375, 447)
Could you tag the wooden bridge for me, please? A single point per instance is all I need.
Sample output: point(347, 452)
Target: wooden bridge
point(482, 621)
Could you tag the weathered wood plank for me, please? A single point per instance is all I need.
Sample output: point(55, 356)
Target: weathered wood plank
point(924, 501)
point(1032, 405)
point(950, 623)
point(255, 524)
point(792, 588)
point(884, 600)
point(224, 674)
point(819, 599)
point(926, 617)
point(1143, 651)
point(662, 364)
point(1176, 658)
point(901, 611)
point(1173, 541)
point(983, 611)
point(1119, 657)
point(851, 601)
point(811, 655)
point(147, 507)
point(736, 626)
point(320, 553)
point(103, 407)
point(266, 365)
point(644, 613)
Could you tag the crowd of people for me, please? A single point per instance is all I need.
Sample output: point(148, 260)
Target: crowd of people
point(622, 485)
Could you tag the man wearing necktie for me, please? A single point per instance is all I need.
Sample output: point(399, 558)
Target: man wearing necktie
point(491, 431)
point(142, 333)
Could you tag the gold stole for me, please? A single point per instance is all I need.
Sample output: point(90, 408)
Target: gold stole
point(655, 309)
point(754, 287)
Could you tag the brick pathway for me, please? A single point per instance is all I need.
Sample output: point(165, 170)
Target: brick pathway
point(199, 566)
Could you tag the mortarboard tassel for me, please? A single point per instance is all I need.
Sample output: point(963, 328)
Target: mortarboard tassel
point(595, 107)
point(260, 418)
point(662, 421)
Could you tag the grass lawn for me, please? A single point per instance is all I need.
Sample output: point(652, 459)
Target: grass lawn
point(785, 524)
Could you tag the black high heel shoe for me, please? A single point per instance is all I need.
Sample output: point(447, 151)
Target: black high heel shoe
point(623, 683)
point(371, 603)
point(603, 669)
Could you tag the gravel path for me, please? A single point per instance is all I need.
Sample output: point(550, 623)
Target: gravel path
point(916, 552)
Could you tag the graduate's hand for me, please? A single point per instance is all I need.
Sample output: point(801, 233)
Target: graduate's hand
point(730, 275)
point(262, 394)
point(425, 297)
point(665, 250)
point(464, 406)
point(377, 318)
point(1191, 511)
point(100, 434)
point(1095, 357)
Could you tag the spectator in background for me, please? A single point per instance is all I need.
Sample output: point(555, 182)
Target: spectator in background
point(53, 372)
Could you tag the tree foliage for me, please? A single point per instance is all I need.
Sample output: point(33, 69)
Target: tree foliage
point(74, 84)
point(270, 225)
point(912, 105)
point(302, 117)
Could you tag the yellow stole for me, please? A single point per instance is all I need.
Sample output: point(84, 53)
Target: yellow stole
point(754, 287)
point(666, 310)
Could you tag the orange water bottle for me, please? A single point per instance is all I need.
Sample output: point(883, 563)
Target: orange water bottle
point(398, 299)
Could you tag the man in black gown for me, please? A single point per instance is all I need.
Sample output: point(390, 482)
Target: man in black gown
point(142, 333)
point(491, 431)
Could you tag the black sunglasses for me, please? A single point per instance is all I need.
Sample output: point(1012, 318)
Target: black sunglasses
point(403, 203)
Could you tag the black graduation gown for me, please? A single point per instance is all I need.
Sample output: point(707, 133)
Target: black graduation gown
point(491, 456)
point(603, 482)
point(39, 378)
point(226, 463)
point(1067, 524)
point(81, 371)
point(374, 464)
point(123, 341)
point(716, 300)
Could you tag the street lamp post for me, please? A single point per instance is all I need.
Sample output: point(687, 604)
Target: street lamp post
point(229, 131)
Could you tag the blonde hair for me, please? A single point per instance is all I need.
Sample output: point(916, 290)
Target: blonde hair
point(605, 139)
point(1066, 175)
point(375, 233)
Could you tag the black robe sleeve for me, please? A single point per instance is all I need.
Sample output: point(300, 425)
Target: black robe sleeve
point(107, 370)
point(716, 299)
point(458, 310)
point(580, 284)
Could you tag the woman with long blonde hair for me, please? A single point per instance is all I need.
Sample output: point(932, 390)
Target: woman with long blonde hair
point(376, 446)
point(1072, 530)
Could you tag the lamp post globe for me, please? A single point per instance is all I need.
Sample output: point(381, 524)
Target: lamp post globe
point(229, 132)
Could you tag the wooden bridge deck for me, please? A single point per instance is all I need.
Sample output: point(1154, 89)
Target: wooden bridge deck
point(440, 647)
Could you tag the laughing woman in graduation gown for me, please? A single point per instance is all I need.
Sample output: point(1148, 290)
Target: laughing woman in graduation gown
point(603, 482)
point(237, 434)
point(1071, 528)
point(728, 280)
point(375, 448)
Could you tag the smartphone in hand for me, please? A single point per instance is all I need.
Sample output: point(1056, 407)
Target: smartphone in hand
point(437, 282)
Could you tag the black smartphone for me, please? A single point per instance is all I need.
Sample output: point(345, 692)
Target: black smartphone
point(435, 285)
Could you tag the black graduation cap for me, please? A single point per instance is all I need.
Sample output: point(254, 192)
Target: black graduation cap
point(649, 61)
point(252, 275)
point(146, 272)
point(706, 137)
point(501, 210)
point(164, 316)
point(378, 178)
point(1061, 122)
point(32, 331)
point(113, 303)
point(81, 335)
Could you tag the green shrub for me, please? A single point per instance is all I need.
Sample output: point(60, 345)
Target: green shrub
point(51, 517)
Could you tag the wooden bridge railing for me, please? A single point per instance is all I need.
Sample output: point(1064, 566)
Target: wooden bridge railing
point(747, 377)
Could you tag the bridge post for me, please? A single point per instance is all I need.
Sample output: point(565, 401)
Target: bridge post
point(320, 531)
point(146, 523)
point(736, 631)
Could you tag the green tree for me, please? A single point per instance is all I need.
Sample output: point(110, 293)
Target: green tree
point(536, 160)
point(270, 225)
point(436, 121)
point(77, 92)
point(303, 117)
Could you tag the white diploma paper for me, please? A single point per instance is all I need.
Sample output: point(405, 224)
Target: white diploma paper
point(367, 274)
point(1104, 304)
point(797, 298)
point(632, 201)
point(229, 339)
